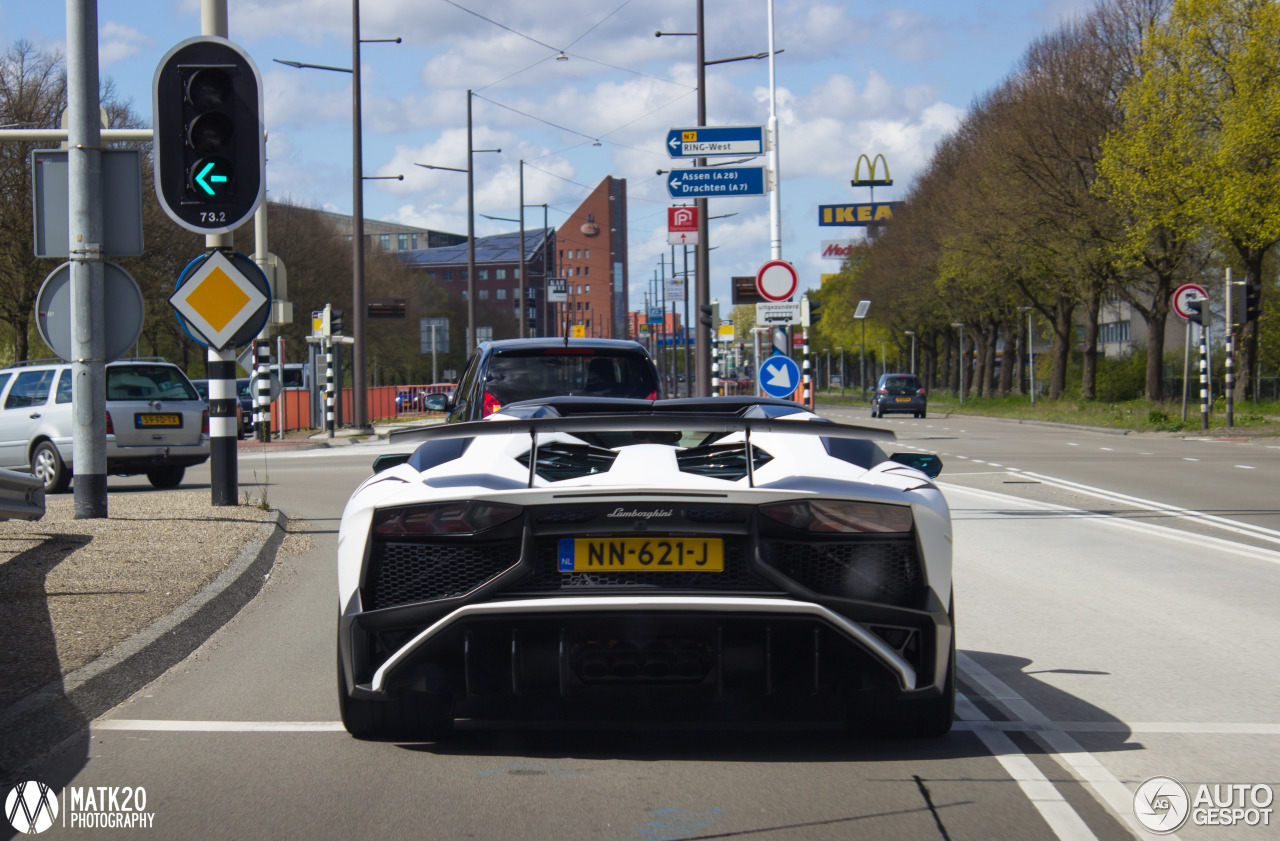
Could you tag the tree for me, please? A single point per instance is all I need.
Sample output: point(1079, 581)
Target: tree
point(1198, 153)
point(33, 92)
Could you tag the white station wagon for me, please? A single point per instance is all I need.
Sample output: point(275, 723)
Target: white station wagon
point(156, 422)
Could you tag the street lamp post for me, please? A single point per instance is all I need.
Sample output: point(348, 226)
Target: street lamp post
point(912, 334)
point(471, 227)
point(360, 396)
point(960, 325)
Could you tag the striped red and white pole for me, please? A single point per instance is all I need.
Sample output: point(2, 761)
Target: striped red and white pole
point(1204, 380)
point(1231, 400)
point(328, 389)
point(262, 402)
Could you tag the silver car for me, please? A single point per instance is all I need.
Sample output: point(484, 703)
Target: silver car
point(156, 422)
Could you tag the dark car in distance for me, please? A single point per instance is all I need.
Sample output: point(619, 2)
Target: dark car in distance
point(511, 370)
point(902, 393)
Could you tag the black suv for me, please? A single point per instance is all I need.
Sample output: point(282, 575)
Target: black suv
point(506, 371)
point(899, 393)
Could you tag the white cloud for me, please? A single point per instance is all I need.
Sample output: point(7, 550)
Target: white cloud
point(117, 41)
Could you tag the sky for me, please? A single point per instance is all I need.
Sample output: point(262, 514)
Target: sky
point(891, 78)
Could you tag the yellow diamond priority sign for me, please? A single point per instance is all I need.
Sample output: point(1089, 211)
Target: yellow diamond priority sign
point(218, 300)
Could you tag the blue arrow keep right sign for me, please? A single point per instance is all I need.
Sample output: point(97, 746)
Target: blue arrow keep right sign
point(779, 376)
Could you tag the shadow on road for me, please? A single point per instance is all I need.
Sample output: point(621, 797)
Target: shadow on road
point(31, 724)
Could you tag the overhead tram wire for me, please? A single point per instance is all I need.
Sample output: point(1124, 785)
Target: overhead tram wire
point(561, 53)
point(597, 23)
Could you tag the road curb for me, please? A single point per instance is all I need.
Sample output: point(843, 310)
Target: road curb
point(61, 707)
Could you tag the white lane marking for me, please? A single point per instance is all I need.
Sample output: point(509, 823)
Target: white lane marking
point(1065, 822)
point(1246, 467)
point(1186, 728)
point(156, 724)
point(978, 461)
point(1217, 544)
point(1146, 454)
point(968, 722)
point(1084, 766)
point(1189, 458)
point(1107, 449)
point(1224, 523)
point(993, 464)
point(1069, 444)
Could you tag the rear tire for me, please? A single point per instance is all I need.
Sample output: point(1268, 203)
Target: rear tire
point(168, 476)
point(415, 717)
point(47, 466)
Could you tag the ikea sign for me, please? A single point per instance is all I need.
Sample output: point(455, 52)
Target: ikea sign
point(856, 214)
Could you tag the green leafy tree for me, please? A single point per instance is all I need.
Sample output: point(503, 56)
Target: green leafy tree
point(1198, 152)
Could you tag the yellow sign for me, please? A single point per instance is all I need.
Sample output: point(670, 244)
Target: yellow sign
point(579, 331)
point(217, 300)
point(871, 180)
point(689, 136)
point(855, 214)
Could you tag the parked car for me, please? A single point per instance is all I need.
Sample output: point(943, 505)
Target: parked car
point(511, 370)
point(244, 421)
point(156, 422)
point(731, 559)
point(899, 393)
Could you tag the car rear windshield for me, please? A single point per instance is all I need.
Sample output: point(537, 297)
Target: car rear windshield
point(148, 382)
point(901, 382)
point(530, 374)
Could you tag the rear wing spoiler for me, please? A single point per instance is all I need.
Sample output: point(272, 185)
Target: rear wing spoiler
point(666, 422)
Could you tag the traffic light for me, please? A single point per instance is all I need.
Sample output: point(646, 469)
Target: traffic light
point(207, 100)
point(809, 314)
point(335, 321)
point(710, 317)
point(1252, 303)
point(1197, 307)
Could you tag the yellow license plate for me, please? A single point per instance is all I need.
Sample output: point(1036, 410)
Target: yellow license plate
point(904, 399)
point(158, 420)
point(642, 554)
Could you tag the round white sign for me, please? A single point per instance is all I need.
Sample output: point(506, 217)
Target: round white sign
point(776, 280)
point(1184, 293)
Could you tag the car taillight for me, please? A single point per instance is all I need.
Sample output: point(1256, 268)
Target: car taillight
point(828, 516)
point(653, 395)
point(204, 421)
point(920, 392)
point(491, 404)
point(443, 518)
point(883, 391)
point(111, 430)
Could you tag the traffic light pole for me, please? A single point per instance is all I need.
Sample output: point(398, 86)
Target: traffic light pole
point(223, 469)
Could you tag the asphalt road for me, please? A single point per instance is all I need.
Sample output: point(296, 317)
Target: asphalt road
point(1103, 641)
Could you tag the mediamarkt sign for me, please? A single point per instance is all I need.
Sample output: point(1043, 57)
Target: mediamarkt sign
point(837, 249)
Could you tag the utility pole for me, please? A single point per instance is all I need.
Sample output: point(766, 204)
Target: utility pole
point(88, 325)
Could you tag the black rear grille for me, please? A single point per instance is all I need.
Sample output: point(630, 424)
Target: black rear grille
point(874, 570)
point(736, 577)
point(404, 573)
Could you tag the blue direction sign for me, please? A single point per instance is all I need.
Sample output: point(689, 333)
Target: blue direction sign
point(655, 315)
point(779, 376)
point(717, 181)
point(715, 141)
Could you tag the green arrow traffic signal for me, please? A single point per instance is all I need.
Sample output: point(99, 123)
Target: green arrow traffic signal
point(211, 176)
